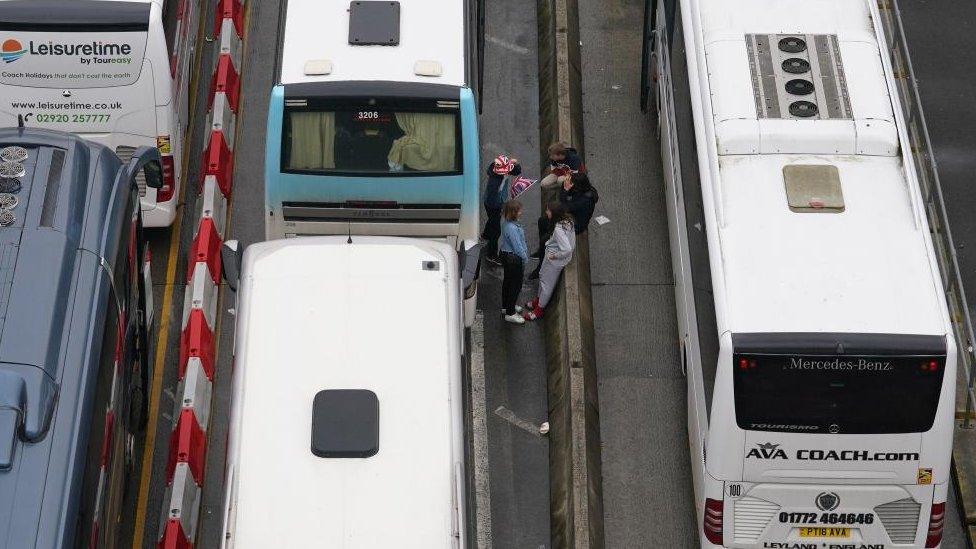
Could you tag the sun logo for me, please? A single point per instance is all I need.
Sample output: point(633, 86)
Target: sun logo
point(11, 50)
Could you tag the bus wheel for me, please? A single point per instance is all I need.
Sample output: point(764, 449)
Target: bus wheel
point(138, 408)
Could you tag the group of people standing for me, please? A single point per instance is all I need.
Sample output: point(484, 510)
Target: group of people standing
point(566, 215)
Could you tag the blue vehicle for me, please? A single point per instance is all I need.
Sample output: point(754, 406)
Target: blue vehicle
point(373, 124)
point(75, 316)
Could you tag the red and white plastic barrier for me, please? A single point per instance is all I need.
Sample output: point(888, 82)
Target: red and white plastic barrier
point(188, 442)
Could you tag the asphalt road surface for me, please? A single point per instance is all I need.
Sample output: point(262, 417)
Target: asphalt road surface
point(647, 478)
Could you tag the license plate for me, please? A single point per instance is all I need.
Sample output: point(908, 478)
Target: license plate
point(817, 532)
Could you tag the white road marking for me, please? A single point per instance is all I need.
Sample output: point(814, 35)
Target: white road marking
point(479, 412)
point(507, 45)
point(525, 425)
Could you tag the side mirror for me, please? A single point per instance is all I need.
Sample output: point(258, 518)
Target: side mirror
point(469, 262)
point(153, 172)
point(230, 263)
point(142, 159)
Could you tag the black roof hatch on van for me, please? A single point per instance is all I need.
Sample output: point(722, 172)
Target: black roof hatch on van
point(75, 16)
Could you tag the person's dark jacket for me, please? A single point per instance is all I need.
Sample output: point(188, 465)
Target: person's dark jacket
point(572, 161)
point(580, 201)
point(495, 187)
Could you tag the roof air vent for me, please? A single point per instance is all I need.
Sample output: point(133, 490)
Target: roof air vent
point(318, 67)
point(799, 86)
point(13, 154)
point(373, 23)
point(813, 188)
point(795, 65)
point(775, 63)
point(7, 218)
point(792, 44)
point(345, 423)
point(12, 169)
point(8, 201)
point(428, 68)
point(803, 109)
point(9, 185)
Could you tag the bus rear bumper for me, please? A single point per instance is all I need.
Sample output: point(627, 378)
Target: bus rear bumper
point(824, 516)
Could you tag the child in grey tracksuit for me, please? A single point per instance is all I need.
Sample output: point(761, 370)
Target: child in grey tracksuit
point(556, 255)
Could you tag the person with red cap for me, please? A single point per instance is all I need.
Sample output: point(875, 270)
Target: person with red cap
point(499, 171)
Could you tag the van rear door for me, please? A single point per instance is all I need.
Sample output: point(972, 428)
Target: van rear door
point(79, 67)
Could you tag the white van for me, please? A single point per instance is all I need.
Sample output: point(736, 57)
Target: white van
point(346, 425)
point(107, 70)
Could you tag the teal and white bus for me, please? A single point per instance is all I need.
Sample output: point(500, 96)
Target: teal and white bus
point(373, 124)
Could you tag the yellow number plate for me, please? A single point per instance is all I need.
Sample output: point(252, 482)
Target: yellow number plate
point(811, 532)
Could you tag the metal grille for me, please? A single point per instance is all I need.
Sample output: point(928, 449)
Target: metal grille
point(751, 516)
point(13, 154)
point(125, 152)
point(900, 519)
point(798, 76)
point(8, 201)
point(12, 169)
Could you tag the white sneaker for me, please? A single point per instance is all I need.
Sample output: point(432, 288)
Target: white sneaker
point(518, 309)
point(515, 319)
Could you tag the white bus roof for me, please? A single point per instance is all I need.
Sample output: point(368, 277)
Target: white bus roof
point(869, 268)
point(319, 314)
point(318, 30)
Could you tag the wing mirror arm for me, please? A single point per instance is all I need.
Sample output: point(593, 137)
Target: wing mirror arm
point(231, 254)
point(469, 261)
point(148, 159)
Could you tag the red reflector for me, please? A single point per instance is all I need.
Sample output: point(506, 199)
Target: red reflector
point(743, 363)
point(714, 509)
point(165, 193)
point(936, 525)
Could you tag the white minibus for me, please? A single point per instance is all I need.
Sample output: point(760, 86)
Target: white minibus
point(107, 70)
point(346, 425)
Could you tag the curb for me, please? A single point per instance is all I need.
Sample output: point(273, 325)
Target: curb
point(575, 471)
point(188, 441)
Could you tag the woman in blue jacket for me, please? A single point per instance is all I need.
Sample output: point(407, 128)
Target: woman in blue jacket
point(513, 253)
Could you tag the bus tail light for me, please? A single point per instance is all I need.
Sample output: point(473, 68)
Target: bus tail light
point(713, 520)
point(165, 193)
point(936, 525)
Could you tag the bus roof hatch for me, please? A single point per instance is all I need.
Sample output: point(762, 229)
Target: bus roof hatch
point(374, 23)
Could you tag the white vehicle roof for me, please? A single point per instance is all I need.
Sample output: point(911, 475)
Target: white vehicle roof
point(430, 30)
point(867, 269)
point(317, 313)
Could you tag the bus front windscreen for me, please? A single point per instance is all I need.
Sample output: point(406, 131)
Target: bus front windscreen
point(831, 394)
point(371, 142)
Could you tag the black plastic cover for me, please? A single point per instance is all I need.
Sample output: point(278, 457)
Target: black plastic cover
point(345, 423)
point(374, 23)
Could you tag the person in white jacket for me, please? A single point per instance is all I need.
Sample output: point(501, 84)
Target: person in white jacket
point(556, 255)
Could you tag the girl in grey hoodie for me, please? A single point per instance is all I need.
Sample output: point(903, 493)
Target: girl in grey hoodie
point(556, 255)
